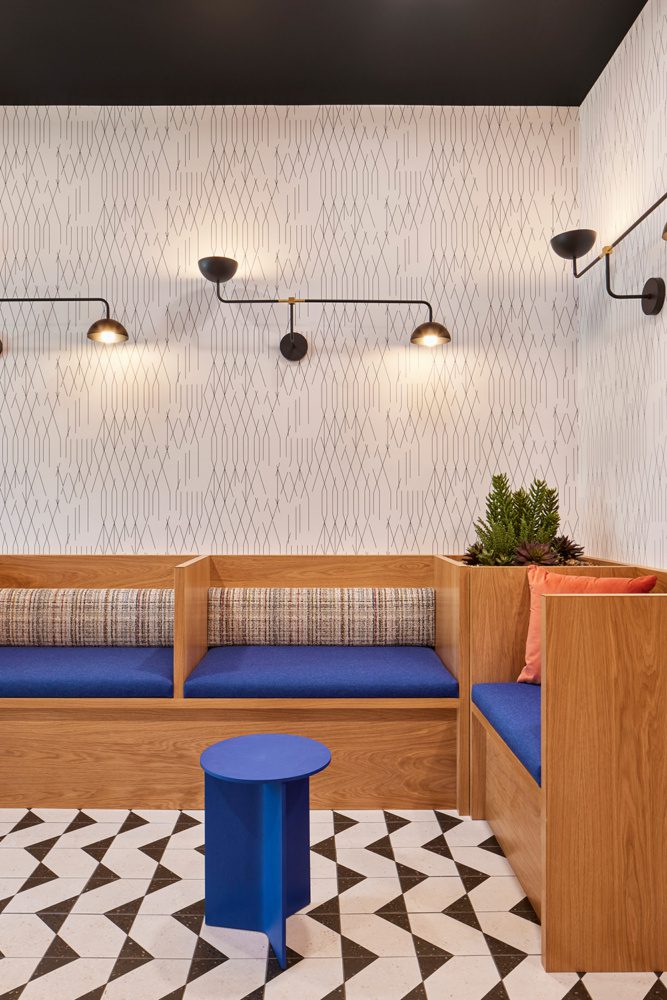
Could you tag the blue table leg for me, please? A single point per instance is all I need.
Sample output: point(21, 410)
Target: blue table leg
point(257, 862)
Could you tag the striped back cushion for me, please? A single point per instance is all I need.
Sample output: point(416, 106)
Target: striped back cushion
point(321, 616)
point(71, 617)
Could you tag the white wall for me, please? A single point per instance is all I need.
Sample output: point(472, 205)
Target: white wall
point(198, 436)
point(623, 353)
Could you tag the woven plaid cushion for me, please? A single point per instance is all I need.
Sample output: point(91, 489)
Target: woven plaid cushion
point(71, 617)
point(321, 616)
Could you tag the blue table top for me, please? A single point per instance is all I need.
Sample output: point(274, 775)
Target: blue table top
point(265, 757)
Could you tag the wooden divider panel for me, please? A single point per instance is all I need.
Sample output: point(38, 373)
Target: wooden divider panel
point(192, 582)
point(89, 571)
point(604, 778)
point(322, 571)
point(452, 613)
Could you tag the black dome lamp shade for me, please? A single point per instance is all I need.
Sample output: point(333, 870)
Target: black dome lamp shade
point(103, 331)
point(293, 345)
point(575, 243)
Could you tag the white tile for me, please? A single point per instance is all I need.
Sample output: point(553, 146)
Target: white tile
point(12, 815)
point(15, 863)
point(434, 894)
point(185, 840)
point(10, 886)
point(92, 936)
point(32, 835)
point(185, 864)
point(385, 979)
point(56, 815)
point(173, 897)
point(129, 863)
point(619, 985)
point(448, 934)
point(415, 815)
point(5, 828)
point(110, 895)
point(311, 979)
point(529, 981)
point(319, 832)
point(360, 835)
point(14, 972)
point(45, 894)
point(321, 889)
point(378, 935)
point(159, 815)
point(483, 861)
point(108, 815)
point(469, 834)
point(321, 816)
point(371, 894)
point(497, 893)
point(321, 867)
point(415, 834)
point(232, 981)
point(363, 815)
point(69, 862)
point(512, 929)
point(149, 982)
point(139, 836)
point(72, 980)
point(86, 835)
point(425, 861)
point(366, 862)
point(163, 937)
point(308, 937)
point(237, 944)
point(463, 978)
point(23, 935)
point(323, 827)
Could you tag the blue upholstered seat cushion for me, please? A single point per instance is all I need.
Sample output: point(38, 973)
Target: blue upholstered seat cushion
point(514, 711)
point(86, 672)
point(321, 672)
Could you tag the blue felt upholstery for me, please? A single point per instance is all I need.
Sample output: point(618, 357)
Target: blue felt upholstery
point(86, 672)
point(321, 672)
point(514, 711)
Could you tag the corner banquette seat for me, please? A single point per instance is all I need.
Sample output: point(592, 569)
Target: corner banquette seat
point(86, 643)
point(572, 774)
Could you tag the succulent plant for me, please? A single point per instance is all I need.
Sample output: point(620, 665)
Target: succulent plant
point(473, 552)
point(538, 553)
point(566, 549)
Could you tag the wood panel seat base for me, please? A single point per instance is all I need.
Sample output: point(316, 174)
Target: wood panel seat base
point(144, 753)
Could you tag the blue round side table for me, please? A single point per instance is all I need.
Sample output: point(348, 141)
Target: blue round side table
point(256, 828)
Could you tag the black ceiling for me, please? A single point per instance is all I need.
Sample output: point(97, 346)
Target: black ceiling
point(307, 51)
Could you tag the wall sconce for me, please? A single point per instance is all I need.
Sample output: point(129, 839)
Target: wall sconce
point(103, 331)
point(577, 242)
point(293, 345)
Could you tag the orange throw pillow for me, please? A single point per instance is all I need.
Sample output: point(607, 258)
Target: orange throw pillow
point(543, 582)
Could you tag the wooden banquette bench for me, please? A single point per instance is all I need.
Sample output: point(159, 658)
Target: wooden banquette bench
point(92, 725)
point(572, 775)
point(350, 650)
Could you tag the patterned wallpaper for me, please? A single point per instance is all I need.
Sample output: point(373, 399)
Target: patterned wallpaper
point(623, 354)
point(198, 436)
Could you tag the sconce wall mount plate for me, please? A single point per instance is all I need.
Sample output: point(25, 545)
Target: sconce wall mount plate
point(294, 346)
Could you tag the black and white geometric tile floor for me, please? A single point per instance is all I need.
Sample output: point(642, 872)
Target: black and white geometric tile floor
point(406, 905)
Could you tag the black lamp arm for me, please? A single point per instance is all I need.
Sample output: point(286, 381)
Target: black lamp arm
point(606, 253)
point(60, 298)
point(612, 246)
point(352, 302)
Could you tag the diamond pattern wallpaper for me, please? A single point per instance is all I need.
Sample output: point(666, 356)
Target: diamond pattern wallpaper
point(623, 359)
point(197, 435)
